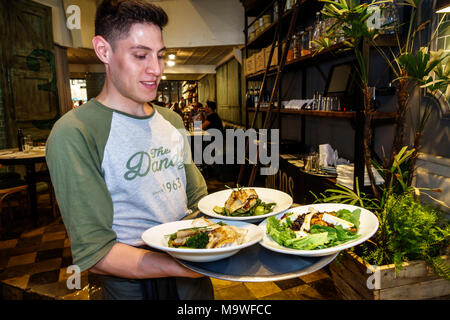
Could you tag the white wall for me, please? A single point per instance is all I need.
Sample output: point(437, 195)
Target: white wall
point(192, 23)
point(196, 23)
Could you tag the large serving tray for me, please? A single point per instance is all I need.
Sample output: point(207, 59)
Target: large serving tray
point(258, 264)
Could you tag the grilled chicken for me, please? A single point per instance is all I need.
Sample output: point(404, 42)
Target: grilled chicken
point(219, 236)
point(242, 198)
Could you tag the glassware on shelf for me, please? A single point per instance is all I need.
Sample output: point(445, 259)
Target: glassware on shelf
point(389, 18)
point(306, 45)
point(290, 53)
point(335, 104)
point(275, 11)
point(317, 31)
point(296, 46)
point(289, 4)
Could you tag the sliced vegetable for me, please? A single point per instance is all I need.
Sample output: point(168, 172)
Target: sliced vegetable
point(218, 209)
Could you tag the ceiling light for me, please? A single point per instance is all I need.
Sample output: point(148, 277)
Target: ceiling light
point(164, 77)
point(171, 56)
point(170, 63)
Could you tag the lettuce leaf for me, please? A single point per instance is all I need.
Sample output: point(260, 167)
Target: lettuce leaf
point(310, 242)
point(278, 233)
point(350, 216)
point(320, 236)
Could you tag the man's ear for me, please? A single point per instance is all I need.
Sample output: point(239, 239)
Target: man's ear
point(102, 49)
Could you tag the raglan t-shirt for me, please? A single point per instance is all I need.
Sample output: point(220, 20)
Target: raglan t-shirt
point(116, 175)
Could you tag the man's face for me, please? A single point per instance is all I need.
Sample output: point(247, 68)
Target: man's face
point(137, 63)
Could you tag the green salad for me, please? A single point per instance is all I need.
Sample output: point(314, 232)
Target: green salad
point(314, 230)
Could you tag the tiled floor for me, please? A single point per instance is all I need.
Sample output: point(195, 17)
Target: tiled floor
point(34, 262)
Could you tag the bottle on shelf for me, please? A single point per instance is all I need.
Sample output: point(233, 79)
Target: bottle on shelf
point(317, 30)
point(306, 41)
point(290, 53)
point(256, 97)
point(249, 98)
point(20, 139)
point(296, 51)
point(275, 11)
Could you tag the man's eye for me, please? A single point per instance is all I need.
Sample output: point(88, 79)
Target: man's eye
point(160, 57)
point(139, 57)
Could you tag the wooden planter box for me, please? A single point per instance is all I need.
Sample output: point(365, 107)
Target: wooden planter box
point(355, 279)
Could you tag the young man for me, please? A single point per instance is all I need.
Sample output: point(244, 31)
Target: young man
point(120, 165)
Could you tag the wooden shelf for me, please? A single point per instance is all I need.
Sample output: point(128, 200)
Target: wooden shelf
point(304, 61)
point(266, 36)
point(379, 115)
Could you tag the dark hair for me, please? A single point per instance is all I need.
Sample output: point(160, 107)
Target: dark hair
point(114, 18)
point(212, 105)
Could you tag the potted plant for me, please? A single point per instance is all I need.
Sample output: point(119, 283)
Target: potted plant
point(406, 258)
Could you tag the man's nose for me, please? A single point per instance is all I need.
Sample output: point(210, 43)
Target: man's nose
point(154, 66)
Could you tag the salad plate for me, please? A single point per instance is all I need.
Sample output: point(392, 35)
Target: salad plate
point(366, 228)
point(158, 237)
point(281, 200)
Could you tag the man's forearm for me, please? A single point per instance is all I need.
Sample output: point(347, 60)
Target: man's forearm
point(134, 263)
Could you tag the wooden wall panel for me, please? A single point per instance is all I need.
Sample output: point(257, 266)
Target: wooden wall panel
point(30, 93)
point(229, 92)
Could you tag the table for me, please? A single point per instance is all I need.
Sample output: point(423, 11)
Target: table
point(28, 159)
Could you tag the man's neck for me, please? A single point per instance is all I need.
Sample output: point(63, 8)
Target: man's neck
point(114, 100)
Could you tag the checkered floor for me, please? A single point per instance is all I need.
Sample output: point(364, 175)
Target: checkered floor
point(33, 265)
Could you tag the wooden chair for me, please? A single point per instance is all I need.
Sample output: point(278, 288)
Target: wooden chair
point(44, 176)
point(6, 199)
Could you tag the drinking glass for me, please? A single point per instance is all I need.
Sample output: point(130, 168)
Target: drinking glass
point(27, 143)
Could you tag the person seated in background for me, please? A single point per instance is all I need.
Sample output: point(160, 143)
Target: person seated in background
point(212, 119)
point(182, 103)
point(175, 107)
point(196, 113)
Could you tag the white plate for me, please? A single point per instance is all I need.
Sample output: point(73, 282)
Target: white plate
point(155, 237)
point(283, 201)
point(368, 225)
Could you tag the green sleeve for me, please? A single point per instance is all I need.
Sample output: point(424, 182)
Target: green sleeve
point(195, 183)
point(74, 161)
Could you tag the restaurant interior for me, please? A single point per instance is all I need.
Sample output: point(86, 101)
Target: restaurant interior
point(335, 112)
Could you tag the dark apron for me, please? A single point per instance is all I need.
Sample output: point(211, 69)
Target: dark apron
point(172, 288)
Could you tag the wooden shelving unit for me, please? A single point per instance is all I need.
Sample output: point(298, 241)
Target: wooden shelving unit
point(380, 115)
point(275, 32)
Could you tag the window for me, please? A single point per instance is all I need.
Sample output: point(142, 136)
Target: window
point(78, 91)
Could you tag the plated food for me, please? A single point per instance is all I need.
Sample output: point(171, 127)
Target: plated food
point(186, 239)
point(314, 230)
point(245, 204)
point(318, 229)
point(206, 235)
